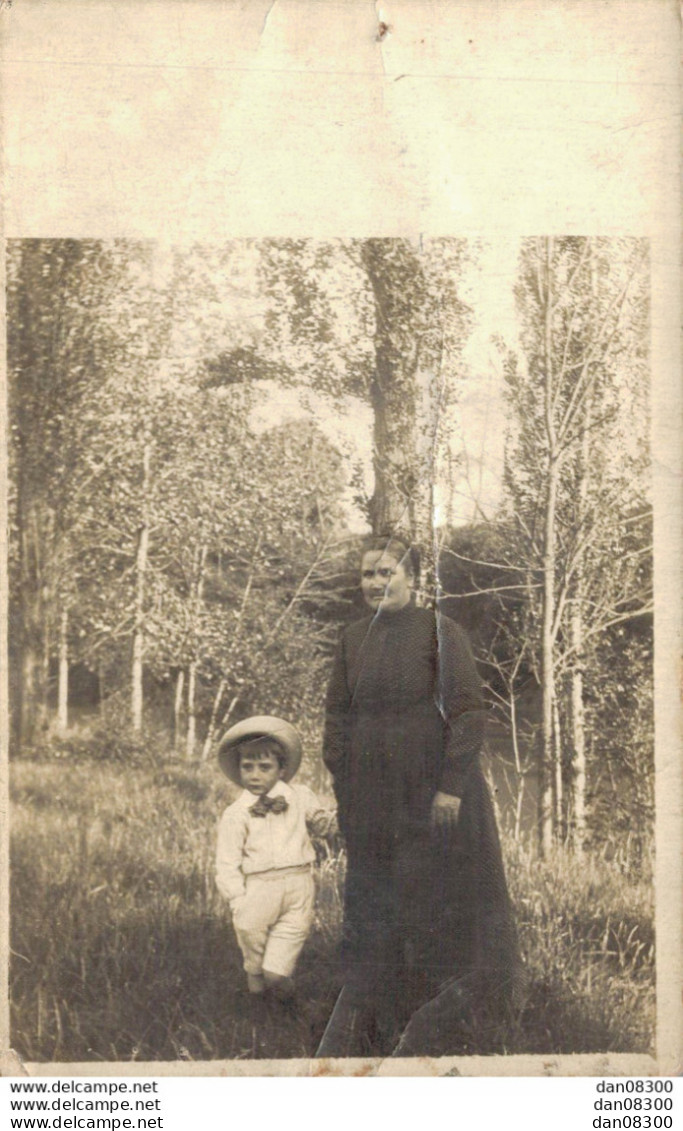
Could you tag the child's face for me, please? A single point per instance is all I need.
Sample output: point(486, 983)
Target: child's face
point(259, 771)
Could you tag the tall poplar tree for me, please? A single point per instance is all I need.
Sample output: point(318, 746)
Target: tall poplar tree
point(576, 482)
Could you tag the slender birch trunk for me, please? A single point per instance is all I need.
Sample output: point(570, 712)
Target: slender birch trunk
point(548, 752)
point(578, 777)
point(577, 784)
point(191, 736)
point(140, 593)
point(228, 714)
point(63, 680)
point(518, 763)
point(177, 708)
point(558, 822)
point(577, 781)
point(211, 730)
point(32, 699)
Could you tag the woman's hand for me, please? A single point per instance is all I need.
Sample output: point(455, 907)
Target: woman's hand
point(445, 809)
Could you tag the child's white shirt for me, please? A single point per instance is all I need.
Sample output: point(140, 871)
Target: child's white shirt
point(249, 844)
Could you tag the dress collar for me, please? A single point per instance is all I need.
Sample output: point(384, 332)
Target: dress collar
point(387, 617)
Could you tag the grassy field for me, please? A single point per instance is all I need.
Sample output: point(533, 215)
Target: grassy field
point(122, 949)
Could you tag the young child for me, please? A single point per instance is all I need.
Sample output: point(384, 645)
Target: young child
point(264, 854)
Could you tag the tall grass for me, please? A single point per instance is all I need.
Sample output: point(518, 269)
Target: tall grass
point(586, 932)
point(122, 949)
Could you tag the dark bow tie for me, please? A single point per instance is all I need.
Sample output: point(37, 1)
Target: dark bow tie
point(266, 805)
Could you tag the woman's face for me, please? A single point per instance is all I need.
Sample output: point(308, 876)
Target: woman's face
point(384, 582)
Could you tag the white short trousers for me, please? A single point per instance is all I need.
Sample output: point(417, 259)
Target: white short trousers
point(274, 919)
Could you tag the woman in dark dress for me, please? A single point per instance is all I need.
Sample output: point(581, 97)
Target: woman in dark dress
point(425, 898)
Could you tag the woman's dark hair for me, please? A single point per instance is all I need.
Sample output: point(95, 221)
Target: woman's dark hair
point(399, 548)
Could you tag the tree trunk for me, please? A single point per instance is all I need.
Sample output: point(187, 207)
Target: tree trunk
point(228, 714)
point(190, 736)
point(393, 398)
point(32, 691)
point(101, 688)
point(63, 680)
point(557, 773)
point(578, 776)
point(547, 675)
point(33, 684)
point(546, 775)
point(137, 700)
point(45, 607)
point(392, 507)
point(519, 801)
point(177, 708)
point(206, 749)
point(26, 407)
point(577, 781)
point(429, 541)
point(519, 804)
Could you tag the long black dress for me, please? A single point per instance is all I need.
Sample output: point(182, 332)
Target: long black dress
point(405, 719)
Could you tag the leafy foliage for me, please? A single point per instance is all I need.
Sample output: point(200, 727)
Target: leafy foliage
point(115, 439)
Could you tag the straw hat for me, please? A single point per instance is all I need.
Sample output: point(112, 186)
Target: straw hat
point(260, 726)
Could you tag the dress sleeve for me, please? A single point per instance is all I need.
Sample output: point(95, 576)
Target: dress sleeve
point(461, 705)
point(337, 705)
point(232, 833)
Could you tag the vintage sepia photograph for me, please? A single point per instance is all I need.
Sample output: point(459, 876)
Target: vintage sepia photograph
point(331, 647)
